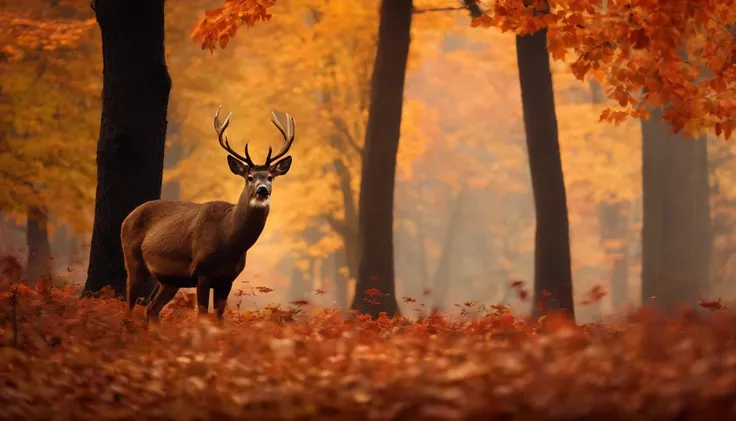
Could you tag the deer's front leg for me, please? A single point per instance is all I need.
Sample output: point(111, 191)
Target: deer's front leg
point(203, 295)
point(221, 291)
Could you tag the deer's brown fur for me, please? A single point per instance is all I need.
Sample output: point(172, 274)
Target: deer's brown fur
point(202, 245)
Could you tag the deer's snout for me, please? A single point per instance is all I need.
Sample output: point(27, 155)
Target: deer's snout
point(262, 191)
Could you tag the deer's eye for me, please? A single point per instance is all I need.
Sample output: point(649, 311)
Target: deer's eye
point(270, 178)
point(250, 178)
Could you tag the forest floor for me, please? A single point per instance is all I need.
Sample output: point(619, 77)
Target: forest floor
point(66, 358)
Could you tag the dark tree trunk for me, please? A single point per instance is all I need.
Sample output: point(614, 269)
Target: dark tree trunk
point(552, 273)
point(676, 231)
point(130, 150)
point(375, 228)
point(39, 264)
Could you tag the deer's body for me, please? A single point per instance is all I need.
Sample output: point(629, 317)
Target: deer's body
point(176, 255)
point(202, 245)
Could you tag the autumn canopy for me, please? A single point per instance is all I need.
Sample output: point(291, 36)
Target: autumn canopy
point(676, 52)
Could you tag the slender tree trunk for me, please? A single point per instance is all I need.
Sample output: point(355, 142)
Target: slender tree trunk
point(349, 227)
point(444, 266)
point(676, 227)
point(552, 273)
point(297, 290)
point(423, 260)
point(75, 250)
point(341, 281)
point(39, 265)
point(375, 228)
point(130, 150)
point(59, 242)
point(614, 227)
point(172, 155)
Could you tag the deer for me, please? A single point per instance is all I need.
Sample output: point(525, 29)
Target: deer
point(202, 245)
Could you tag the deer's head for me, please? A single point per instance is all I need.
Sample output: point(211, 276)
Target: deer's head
point(258, 178)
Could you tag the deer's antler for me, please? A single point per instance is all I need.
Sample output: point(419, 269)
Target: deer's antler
point(222, 138)
point(288, 135)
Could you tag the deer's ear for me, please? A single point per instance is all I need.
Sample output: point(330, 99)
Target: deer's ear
point(237, 167)
point(281, 167)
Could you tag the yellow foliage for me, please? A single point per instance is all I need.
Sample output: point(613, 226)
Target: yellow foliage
point(50, 108)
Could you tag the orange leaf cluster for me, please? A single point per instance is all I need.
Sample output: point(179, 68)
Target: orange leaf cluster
point(219, 25)
point(61, 357)
point(681, 53)
point(19, 32)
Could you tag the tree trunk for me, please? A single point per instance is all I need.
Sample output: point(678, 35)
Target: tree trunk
point(38, 266)
point(614, 227)
point(422, 258)
point(130, 149)
point(60, 242)
point(552, 273)
point(444, 266)
point(76, 252)
point(172, 155)
point(676, 231)
point(375, 228)
point(341, 281)
point(349, 227)
point(297, 290)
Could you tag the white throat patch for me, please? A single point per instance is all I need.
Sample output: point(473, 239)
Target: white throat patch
point(260, 203)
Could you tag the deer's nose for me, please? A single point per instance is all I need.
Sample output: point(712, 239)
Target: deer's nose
point(262, 191)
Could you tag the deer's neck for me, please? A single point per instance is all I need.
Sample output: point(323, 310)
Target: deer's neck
point(247, 222)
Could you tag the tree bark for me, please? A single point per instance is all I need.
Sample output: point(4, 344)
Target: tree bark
point(39, 265)
point(444, 265)
point(297, 283)
point(375, 227)
point(422, 258)
point(614, 227)
point(676, 227)
point(349, 227)
point(172, 155)
point(552, 272)
point(341, 281)
point(130, 149)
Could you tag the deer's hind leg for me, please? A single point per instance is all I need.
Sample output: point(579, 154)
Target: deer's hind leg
point(204, 284)
point(220, 292)
point(138, 274)
point(164, 295)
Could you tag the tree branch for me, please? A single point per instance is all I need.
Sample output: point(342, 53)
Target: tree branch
point(473, 7)
point(470, 5)
point(437, 9)
point(336, 224)
point(343, 128)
